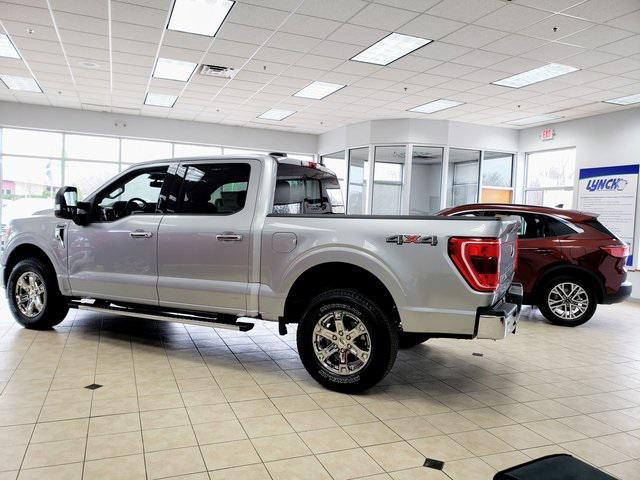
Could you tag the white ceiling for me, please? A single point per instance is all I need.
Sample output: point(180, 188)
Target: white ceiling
point(281, 46)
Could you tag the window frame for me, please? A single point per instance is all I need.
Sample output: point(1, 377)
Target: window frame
point(565, 188)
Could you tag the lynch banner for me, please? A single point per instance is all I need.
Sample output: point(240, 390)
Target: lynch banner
point(612, 193)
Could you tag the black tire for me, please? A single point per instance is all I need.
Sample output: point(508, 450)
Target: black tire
point(53, 310)
point(546, 297)
point(410, 339)
point(382, 340)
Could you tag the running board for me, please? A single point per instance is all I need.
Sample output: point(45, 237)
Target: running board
point(191, 319)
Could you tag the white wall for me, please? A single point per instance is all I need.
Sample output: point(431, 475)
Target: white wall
point(14, 114)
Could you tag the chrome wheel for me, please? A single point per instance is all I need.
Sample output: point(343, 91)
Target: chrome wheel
point(568, 301)
point(30, 294)
point(341, 342)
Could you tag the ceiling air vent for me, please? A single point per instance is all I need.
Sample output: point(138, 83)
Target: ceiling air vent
point(217, 71)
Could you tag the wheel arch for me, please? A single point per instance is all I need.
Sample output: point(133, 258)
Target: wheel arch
point(22, 251)
point(571, 270)
point(332, 275)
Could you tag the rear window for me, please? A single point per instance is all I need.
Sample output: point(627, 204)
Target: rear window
point(305, 190)
point(594, 223)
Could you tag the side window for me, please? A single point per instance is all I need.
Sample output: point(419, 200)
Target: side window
point(136, 193)
point(214, 189)
point(301, 190)
point(555, 228)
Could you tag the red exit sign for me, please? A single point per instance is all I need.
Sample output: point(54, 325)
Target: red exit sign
point(547, 134)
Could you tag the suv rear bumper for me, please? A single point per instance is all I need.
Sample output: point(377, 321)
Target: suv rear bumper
point(501, 319)
point(621, 295)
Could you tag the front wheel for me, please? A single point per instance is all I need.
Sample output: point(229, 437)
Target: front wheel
point(33, 295)
point(567, 301)
point(346, 341)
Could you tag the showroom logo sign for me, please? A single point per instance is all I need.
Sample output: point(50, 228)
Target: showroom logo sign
point(607, 184)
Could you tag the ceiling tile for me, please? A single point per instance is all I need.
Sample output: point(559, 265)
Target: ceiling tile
point(309, 26)
point(340, 10)
point(480, 58)
point(428, 26)
point(627, 47)
point(596, 36)
point(513, 45)
point(602, 10)
point(556, 27)
point(473, 36)
point(467, 11)
point(630, 21)
point(382, 16)
point(357, 35)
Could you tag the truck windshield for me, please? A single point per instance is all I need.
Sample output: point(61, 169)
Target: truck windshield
point(306, 190)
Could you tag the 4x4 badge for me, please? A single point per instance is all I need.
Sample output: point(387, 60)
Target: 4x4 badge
point(402, 239)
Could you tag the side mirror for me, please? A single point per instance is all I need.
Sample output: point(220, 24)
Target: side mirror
point(66, 202)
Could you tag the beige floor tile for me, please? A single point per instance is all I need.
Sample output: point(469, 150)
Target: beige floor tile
point(389, 410)
point(595, 452)
point(266, 426)
point(15, 435)
point(520, 413)
point(295, 403)
point(395, 456)
point(302, 468)
point(170, 463)
point(70, 471)
point(332, 399)
point(313, 420)
point(210, 413)
point(588, 426)
point(166, 438)
point(451, 422)
point(54, 453)
point(280, 447)
point(419, 473)
point(374, 433)
point(282, 389)
point(487, 417)
point(229, 454)
point(425, 405)
point(481, 442)
point(555, 431)
point(254, 408)
point(239, 394)
point(62, 411)
point(109, 424)
point(469, 469)
point(501, 461)
point(216, 432)
point(11, 456)
point(327, 440)
point(622, 442)
point(625, 471)
point(247, 472)
point(160, 402)
point(440, 447)
point(519, 437)
point(173, 417)
point(118, 468)
point(62, 430)
point(413, 427)
point(347, 464)
point(350, 415)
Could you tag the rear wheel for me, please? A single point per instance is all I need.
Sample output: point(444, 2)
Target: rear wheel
point(346, 341)
point(33, 295)
point(567, 301)
point(410, 339)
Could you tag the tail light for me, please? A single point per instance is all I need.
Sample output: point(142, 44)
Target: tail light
point(478, 260)
point(618, 251)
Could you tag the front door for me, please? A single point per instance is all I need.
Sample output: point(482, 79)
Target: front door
point(115, 255)
point(204, 246)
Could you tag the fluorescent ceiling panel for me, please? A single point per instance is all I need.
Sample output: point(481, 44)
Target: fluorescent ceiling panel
point(535, 119)
point(390, 48)
point(628, 100)
point(160, 100)
point(536, 75)
point(6, 47)
point(203, 17)
point(24, 84)
point(174, 69)
point(318, 90)
point(276, 114)
point(435, 106)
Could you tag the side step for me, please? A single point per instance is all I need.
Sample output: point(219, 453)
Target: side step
point(164, 316)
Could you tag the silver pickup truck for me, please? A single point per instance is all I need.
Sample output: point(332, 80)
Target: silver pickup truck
point(210, 241)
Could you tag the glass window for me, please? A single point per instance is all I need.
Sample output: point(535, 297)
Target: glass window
point(463, 176)
point(134, 151)
point(28, 185)
point(496, 169)
point(426, 178)
point(214, 189)
point(358, 180)
point(301, 190)
point(337, 163)
point(182, 150)
point(387, 179)
point(89, 147)
point(550, 178)
point(136, 193)
point(31, 142)
point(88, 176)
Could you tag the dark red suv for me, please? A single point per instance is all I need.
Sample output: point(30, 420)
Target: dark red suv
point(568, 261)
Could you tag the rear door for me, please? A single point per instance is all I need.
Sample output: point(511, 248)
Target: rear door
point(205, 240)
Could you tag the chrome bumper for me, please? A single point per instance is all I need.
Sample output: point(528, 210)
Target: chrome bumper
point(501, 319)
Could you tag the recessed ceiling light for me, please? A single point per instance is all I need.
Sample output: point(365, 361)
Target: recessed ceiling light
point(318, 90)
point(536, 75)
point(535, 119)
point(276, 114)
point(435, 106)
point(24, 84)
point(628, 100)
point(6, 47)
point(203, 17)
point(89, 65)
point(174, 69)
point(390, 48)
point(160, 100)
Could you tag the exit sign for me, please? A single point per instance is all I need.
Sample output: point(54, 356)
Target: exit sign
point(547, 134)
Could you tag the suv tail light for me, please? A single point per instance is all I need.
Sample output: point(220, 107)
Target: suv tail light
point(478, 260)
point(618, 251)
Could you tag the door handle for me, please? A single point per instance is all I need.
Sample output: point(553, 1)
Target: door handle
point(229, 237)
point(140, 234)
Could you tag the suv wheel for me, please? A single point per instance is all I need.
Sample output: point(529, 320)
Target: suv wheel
point(567, 301)
point(33, 295)
point(346, 342)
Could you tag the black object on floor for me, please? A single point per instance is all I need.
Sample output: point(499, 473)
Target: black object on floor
point(93, 386)
point(553, 467)
point(432, 463)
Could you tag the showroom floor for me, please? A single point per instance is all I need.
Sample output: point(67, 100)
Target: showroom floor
point(178, 401)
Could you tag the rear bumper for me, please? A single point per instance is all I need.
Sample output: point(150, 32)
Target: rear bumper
point(621, 295)
point(501, 319)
